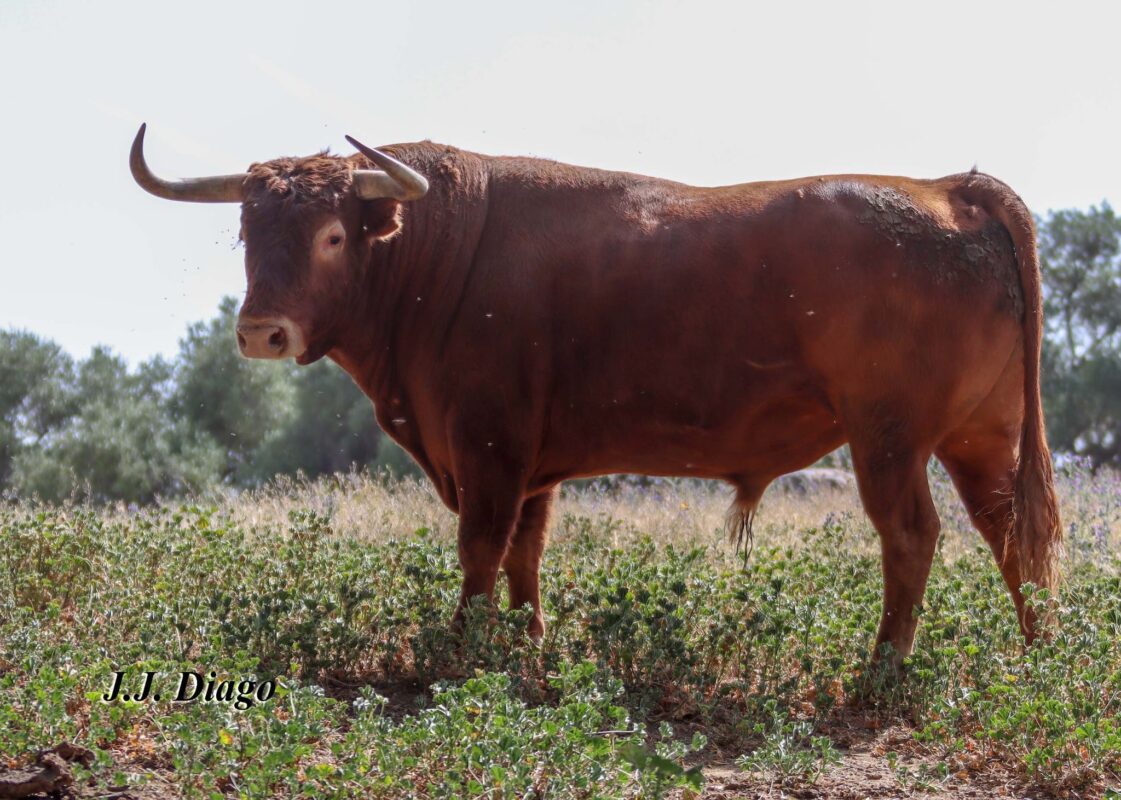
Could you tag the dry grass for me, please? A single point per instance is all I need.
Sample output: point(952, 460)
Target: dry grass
point(673, 511)
point(682, 512)
point(373, 507)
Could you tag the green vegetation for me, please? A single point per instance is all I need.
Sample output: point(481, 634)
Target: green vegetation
point(663, 657)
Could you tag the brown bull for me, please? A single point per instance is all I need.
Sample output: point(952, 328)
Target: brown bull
point(519, 322)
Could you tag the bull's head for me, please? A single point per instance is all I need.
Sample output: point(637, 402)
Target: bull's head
point(308, 225)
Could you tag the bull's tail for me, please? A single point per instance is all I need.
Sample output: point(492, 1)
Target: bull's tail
point(1036, 534)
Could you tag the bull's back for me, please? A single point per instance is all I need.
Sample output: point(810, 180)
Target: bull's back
point(681, 321)
point(780, 271)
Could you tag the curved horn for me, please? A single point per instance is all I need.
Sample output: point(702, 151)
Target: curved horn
point(397, 181)
point(213, 189)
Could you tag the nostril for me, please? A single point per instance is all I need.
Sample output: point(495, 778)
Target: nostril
point(241, 342)
point(277, 340)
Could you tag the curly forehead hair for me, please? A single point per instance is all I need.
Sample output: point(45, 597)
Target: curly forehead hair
point(321, 180)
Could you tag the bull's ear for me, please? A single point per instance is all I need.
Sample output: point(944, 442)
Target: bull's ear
point(381, 219)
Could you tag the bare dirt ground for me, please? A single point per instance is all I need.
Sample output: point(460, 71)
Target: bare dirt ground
point(865, 771)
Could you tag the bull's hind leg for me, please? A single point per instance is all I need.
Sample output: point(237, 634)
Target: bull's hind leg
point(522, 563)
point(982, 467)
point(981, 459)
point(891, 475)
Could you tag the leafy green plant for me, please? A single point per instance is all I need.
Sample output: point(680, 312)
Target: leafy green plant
point(661, 770)
point(789, 750)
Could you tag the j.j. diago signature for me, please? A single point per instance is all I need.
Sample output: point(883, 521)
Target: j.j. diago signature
point(189, 687)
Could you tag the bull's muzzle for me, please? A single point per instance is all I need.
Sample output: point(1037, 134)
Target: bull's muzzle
point(269, 338)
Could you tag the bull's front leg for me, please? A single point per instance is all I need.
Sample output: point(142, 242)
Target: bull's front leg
point(488, 514)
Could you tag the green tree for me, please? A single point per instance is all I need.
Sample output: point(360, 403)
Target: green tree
point(36, 394)
point(120, 443)
point(1081, 256)
point(331, 427)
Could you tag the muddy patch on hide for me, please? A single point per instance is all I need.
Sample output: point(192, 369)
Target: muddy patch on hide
point(970, 259)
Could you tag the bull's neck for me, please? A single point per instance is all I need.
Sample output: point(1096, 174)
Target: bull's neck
point(417, 278)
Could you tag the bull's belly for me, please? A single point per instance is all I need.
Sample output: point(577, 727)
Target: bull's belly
point(756, 442)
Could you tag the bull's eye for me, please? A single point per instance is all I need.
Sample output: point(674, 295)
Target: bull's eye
point(329, 239)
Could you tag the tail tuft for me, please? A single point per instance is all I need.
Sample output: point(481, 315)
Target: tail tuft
point(1037, 529)
point(740, 520)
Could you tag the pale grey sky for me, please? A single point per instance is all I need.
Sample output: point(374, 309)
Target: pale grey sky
point(703, 92)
